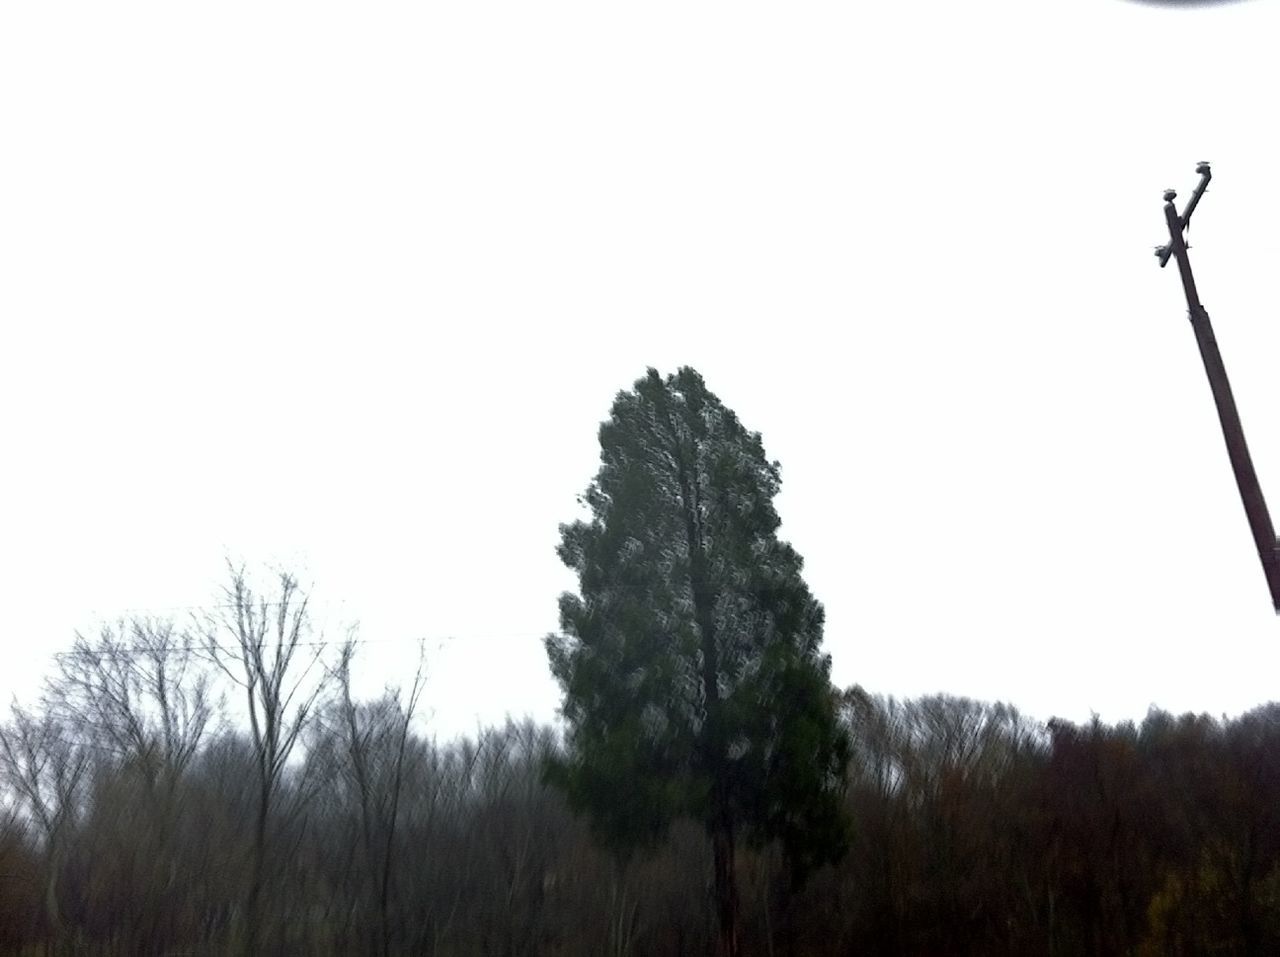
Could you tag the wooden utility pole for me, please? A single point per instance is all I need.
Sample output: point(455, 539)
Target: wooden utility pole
point(1255, 506)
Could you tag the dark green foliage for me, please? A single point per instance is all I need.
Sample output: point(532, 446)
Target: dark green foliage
point(691, 659)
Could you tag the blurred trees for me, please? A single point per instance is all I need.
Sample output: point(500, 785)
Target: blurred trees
point(44, 770)
point(138, 699)
point(132, 823)
point(976, 831)
point(371, 756)
point(268, 648)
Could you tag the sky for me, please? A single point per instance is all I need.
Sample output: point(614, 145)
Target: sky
point(348, 289)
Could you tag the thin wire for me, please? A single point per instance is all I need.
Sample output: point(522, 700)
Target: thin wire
point(439, 642)
point(137, 650)
point(210, 606)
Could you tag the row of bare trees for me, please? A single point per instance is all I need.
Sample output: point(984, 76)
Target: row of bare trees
point(218, 789)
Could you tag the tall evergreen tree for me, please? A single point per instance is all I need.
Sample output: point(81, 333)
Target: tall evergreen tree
point(694, 682)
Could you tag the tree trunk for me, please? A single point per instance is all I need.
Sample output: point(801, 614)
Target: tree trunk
point(52, 911)
point(727, 942)
point(720, 820)
point(1248, 927)
point(251, 933)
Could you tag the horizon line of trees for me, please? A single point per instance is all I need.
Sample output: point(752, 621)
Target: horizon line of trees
point(711, 790)
point(137, 818)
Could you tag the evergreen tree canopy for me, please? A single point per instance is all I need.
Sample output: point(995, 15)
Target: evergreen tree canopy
point(694, 681)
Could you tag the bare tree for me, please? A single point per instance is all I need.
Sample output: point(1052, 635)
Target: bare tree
point(269, 650)
point(140, 694)
point(46, 769)
point(375, 739)
point(138, 690)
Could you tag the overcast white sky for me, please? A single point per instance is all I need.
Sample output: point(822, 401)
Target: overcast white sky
point(350, 287)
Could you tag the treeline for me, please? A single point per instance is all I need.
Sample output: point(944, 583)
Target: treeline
point(139, 818)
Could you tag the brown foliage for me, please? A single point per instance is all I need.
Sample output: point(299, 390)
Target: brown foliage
point(976, 832)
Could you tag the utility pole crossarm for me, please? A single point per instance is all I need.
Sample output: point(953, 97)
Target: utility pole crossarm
point(1255, 505)
point(1164, 252)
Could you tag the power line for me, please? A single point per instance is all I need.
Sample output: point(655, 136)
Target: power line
point(153, 610)
point(135, 650)
point(158, 611)
point(439, 642)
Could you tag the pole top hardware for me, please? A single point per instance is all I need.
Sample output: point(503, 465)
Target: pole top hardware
point(1164, 252)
